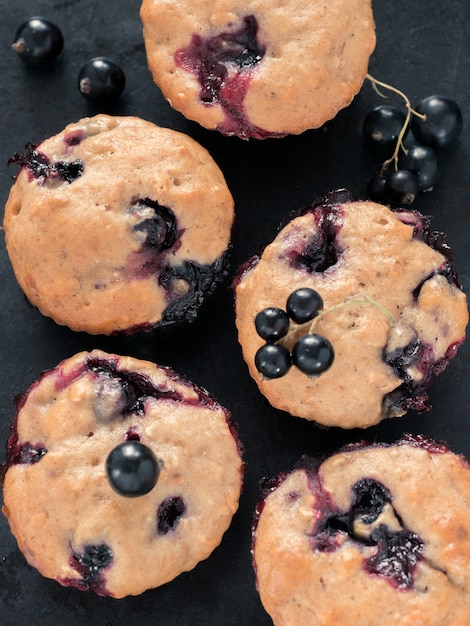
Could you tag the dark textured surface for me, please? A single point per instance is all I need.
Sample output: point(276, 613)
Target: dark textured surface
point(423, 48)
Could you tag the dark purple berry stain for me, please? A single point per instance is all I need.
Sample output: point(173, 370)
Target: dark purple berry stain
point(224, 65)
point(90, 565)
point(40, 168)
point(169, 514)
point(396, 552)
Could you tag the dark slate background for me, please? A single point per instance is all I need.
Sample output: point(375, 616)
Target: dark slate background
point(422, 48)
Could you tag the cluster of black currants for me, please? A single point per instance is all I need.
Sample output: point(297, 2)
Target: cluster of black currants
point(39, 42)
point(430, 127)
point(312, 353)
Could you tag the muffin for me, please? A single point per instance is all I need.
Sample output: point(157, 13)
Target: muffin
point(116, 225)
point(72, 521)
point(258, 70)
point(375, 534)
point(393, 311)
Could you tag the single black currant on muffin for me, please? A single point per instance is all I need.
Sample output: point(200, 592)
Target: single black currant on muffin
point(273, 360)
point(313, 354)
point(272, 323)
point(101, 80)
point(38, 41)
point(382, 126)
point(132, 469)
point(303, 305)
point(442, 122)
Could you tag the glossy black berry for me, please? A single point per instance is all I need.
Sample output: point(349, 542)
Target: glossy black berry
point(382, 127)
point(422, 161)
point(101, 80)
point(442, 125)
point(376, 188)
point(38, 41)
point(303, 305)
point(313, 354)
point(132, 469)
point(273, 360)
point(402, 187)
point(272, 323)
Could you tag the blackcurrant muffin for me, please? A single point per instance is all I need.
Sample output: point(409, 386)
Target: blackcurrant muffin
point(375, 534)
point(116, 225)
point(119, 474)
point(388, 313)
point(260, 69)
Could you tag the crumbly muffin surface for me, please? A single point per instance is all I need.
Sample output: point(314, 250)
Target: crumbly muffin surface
point(69, 522)
point(258, 70)
point(378, 535)
point(116, 224)
point(396, 313)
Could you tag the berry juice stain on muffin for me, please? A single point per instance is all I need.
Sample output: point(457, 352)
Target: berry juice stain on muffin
point(373, 534)
point(224, 64)
point(131, 225)
point(129, 456)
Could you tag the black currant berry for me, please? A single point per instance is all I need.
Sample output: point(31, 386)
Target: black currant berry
point(273, 360)
point(272, 323)
point(38, 41)
point(422, 161)
point(442, 125)
point(376, 188)
point(101, 80)
point(312, 354)
point(402, 187)
point(303, 305)
point(382, 127)
point(132, 469)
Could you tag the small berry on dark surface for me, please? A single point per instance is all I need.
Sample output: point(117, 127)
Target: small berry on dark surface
point(422, 161)
point(272, 323)
point(402, 187)
point(273, 360)
point(442, 124)
point(312, 354)
point(382, 127)
point(376, 188)
point(303, 305)
point(101, 80)
point(38, 41)
point(132, 469)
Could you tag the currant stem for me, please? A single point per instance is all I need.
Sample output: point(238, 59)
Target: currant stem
point(409, 111)
point(309, 326)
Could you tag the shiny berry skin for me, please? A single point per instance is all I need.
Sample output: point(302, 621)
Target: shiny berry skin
point(303, 305)
point(376, 188)
point(422, 161)
point(402, 187)
point(272, 323)
point(38, 41)
point(132, 469)
point(382, 126)
point(273, 360)
point(442, 125)
point(101, 81)
point(313, 354)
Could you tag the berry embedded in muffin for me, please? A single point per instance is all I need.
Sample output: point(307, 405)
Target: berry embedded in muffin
point(374, 534)
point(261, 70)
point(115, 464)
point(116, 225)
point(389, 312)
